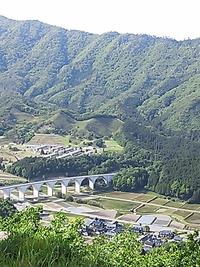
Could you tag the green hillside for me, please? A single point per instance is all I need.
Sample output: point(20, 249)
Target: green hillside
point(47, 68)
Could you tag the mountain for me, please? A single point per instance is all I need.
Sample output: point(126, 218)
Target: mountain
point(45, 70)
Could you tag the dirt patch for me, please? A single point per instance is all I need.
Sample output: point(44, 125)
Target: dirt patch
point(104, 213)
point(129, 217)
point(176, 225)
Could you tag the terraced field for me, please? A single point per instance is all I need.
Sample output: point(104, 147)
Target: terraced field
point(9, 177)
point(182, 214)
point(136, 207)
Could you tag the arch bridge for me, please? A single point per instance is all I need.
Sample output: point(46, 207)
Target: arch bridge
point(7, 190)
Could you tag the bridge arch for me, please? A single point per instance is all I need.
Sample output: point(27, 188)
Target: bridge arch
point(35, 187)
point(100, 180)
point(51, 184)
point(92, 179)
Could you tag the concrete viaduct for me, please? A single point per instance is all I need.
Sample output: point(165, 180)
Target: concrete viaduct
point(7, 190)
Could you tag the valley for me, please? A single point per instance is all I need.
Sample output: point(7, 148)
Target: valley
point(102, 132)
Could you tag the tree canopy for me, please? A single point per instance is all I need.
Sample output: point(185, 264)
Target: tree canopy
point(30, 243)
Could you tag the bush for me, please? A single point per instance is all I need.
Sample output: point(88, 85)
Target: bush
point(69, 198)
point(59, 195)
point(94, 203)
point(81, 201)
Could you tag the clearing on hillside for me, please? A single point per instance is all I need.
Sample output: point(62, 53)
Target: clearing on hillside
point(47, 139)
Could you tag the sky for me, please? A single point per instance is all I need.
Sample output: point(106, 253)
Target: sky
point(178, 19)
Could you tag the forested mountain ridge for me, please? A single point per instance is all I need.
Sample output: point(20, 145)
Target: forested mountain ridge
point(143, 77)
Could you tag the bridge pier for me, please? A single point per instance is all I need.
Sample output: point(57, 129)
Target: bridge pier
point(50, 186)
point(77, 187)
point(6, 193)
point(64, 184)
point(92, 182)
point(22, 190)
point(36, 189)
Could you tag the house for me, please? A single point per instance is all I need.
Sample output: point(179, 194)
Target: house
point(145, 238)
point(85, 230)
point(177, 238)
point(137, 229)
point(150, 241)
point(98, 223)
point(89, 223)
point(111, 226)
point(166, 233)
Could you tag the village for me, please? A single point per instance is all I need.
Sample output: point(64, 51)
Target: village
point(60, 152)
point(149, 239)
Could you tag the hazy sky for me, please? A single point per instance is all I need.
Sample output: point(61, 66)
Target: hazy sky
point(178, 19)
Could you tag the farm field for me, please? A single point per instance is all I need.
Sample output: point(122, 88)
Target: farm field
point(159, 201)
point(119, 195)
point(143, 198)
point(7, 156)
point(119, 205)
point(129, 217)
point(162, 220)
point(191, 206)
point(116, 204)
point(157, 207)
point(48, 139)
point(194, 219)
point(181, 213)
point(147, 209)
point(174, 204)
point(146, 219)
point(13, 152)
point(7, 178)
point(164, 211)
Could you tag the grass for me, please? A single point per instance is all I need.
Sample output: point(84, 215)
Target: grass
point(116, 204)
point(191, 206)
point(121, 195)
point(182, 213)
point(7, 156)
point(159, 201)
point(112, 145)
point(147, 209)
point(9, 176)
point(174, 204)
point(52, 139)
point(194, 218)
point(143, 197)
point(164, 211)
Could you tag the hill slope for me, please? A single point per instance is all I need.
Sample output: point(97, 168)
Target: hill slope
point(150, 79)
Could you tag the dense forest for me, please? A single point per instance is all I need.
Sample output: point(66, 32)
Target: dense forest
point(30, 243)
point(38, 167)
point(130, 76)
